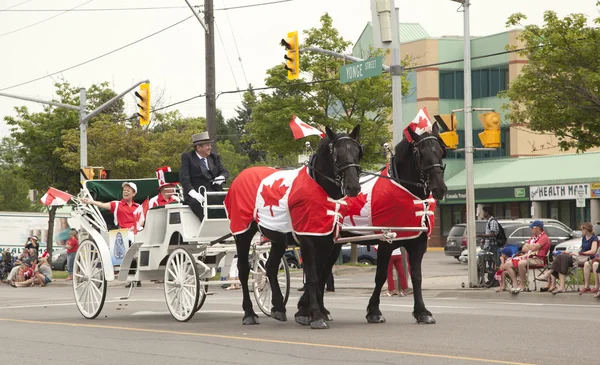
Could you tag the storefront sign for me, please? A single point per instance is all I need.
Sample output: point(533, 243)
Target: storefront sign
point(558, 192)
point(595, 190)
point(488, 195)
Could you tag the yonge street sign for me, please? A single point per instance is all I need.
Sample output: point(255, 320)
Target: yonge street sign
point(361, 70)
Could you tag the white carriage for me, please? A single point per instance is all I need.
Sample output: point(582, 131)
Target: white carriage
point(173, 247)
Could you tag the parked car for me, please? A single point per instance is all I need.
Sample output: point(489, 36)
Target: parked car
point(456, 241)
point(59, 259)
point(519, 233)
point(572, 245)
point(366, 255)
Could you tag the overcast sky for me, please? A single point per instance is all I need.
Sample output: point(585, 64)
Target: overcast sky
point(174, 60)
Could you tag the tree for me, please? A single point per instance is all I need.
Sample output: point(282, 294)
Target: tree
point(39, 136)
point(242, 139)
point(557, 91)
point(14, 191)
point(325, 102)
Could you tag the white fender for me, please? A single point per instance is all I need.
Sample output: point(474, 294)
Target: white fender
point(109, 270)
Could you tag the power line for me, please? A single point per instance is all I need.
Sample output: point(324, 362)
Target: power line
point(141, 8)
point(14, 6)
point(97, 57)
point(236, 47)
point(44, 20)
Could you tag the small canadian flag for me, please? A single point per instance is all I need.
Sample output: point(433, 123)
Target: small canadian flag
point(301, 129)
point(55, 197)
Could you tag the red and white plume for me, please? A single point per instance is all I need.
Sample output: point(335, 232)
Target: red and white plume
point(419, 125)
point(55, 197)
point(301, 129)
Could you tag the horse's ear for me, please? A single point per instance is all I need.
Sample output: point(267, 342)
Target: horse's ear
point(331, 134)
point(355, 132)
point(436, 129)
point(413, 135)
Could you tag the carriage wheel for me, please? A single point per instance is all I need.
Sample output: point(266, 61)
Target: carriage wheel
point(182, 285)
point(89, 283)
point(261, 286)
point(202, 294)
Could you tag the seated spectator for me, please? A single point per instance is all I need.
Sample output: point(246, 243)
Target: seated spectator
point(589, 248)
point(6, 265)
point(596, 261)
point(42, 275)
point(534, 253)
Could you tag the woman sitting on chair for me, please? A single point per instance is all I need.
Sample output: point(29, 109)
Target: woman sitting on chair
point(562, 263)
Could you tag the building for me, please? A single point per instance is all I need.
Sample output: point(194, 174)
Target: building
point(528, 176)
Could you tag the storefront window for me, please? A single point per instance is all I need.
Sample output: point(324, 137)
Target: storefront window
point(524, 210)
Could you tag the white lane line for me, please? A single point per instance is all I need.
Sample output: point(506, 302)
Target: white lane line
point(150, 313)
point(429, 306)
point(548, 304)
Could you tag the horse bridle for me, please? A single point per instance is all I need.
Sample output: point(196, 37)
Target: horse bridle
point(423, 171)
point(338, 171)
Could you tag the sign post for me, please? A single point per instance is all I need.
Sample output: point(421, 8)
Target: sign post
point(361, 70)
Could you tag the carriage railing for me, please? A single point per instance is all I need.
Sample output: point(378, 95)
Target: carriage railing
point(89, 212)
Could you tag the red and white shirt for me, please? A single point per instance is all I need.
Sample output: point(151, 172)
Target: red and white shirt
point(385, 203)
point(283, 201)
point(158, 201)
point(123, 213)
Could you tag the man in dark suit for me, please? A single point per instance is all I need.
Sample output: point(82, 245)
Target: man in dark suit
point(201, 167)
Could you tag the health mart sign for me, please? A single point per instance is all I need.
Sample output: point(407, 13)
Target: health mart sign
point(559, 192)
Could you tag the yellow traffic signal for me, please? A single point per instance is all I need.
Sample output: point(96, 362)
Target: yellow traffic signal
point(292, 57)
point(144, 104)
point(448, 122)
point(88, 173)
point(490, 137)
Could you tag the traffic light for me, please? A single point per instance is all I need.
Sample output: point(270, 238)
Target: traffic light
point(292, 57)
point(144, 104)
point(104, 174)
point(88, 173)
point(490, 137)
point(448, 123)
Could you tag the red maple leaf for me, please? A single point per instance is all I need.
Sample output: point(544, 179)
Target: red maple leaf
point(273, 194)
point(355, 205)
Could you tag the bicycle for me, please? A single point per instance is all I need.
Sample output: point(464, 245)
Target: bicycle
point(486, 268)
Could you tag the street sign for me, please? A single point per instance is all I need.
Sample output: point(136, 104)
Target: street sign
point(519, 192)
point(581, 198)
point(361, 70)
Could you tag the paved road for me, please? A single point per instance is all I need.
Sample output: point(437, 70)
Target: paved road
point(502, 329)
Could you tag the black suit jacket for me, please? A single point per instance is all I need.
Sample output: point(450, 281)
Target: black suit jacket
point(193, 174)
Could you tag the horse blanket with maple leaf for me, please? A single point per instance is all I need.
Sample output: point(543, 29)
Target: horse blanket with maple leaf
point(282, 201)
point(385, 203)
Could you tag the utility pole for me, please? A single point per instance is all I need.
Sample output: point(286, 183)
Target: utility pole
point(82, 131)
point(469, 150)
point(211, 102)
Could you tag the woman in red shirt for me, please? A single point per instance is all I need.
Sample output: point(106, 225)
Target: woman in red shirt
point(72, 245)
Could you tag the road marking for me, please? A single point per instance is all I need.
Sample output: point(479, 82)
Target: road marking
point(150, 313)
point(429, 306)
point(264, 340)
point(548, 304)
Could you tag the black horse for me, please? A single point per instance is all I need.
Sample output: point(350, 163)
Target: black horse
point(418, 167)
point(335, 168)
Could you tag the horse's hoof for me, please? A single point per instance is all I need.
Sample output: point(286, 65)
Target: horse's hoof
point(425, 319)
point(328, 317)
point(375, 318)
point(319, 325)
point(250, 320)
point(280, 316)
point(303, 320)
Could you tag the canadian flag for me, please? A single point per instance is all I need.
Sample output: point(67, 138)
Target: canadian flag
point(301, 129)
point(140, 216)
point(419, 125)
point(55, 197)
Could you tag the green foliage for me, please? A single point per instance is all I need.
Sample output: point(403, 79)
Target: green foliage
point(323, 103)
point(234, 162)
point(557, 91)
point(14, 192)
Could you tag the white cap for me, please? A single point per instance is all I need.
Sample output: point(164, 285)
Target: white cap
point(131, 185)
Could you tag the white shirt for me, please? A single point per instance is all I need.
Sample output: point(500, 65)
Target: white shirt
point(205, 162)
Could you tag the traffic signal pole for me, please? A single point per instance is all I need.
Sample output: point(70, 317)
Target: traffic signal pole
point(83, 116)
